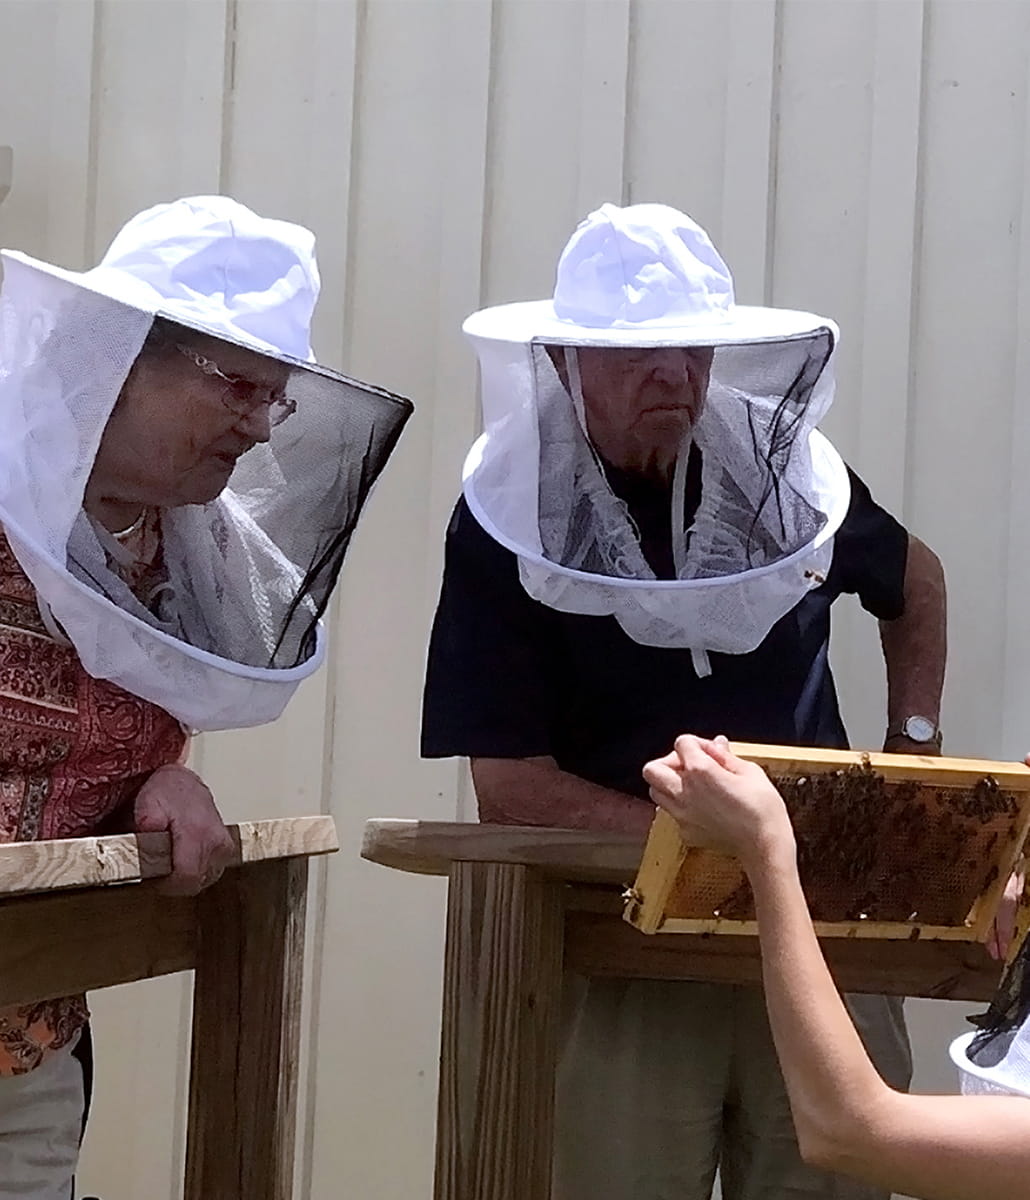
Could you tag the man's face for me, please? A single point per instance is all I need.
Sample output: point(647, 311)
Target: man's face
point(641, 404)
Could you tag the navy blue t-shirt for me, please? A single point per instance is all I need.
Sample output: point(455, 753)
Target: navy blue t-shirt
point(508, 677)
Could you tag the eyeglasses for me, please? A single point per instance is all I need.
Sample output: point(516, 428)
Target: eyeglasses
point(242, 396)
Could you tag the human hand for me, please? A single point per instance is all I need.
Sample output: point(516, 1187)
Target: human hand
point(999, 937)
point(1003, 928)
point(176, 801)
point(720, 801)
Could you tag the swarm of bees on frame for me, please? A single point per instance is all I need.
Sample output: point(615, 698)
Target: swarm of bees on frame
point(870, 849)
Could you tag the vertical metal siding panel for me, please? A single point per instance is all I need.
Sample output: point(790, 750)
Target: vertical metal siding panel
point(159, 114)
point(46, 107)
point(892, 222)
point(676, 107)
point(966, 331)
point(748, 175)
point(1015, 731)
point(605, 41)
point(537, 124)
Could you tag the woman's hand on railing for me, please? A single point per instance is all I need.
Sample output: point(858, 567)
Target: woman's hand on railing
point(177, 801)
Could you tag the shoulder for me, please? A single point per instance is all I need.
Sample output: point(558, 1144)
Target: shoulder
point(481, 589)
point(866, 517)
point(471, 550)
point(870, 552)
point(465, 532)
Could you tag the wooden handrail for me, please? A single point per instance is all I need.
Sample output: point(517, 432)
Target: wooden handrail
point(430, 847)
point(244, 940)
point(49, 866)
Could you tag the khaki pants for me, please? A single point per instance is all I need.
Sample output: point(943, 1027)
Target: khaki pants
point(40, 1125)
point(660, 1084)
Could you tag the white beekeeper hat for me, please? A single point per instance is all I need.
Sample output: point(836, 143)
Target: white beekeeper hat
point(234, 626)
point(1001, 1068)
point(646, 275)
point(774, 491)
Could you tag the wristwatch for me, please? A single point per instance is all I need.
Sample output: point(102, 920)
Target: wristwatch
point(916, 729)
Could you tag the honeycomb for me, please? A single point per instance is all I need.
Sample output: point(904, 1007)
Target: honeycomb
point(871, 849)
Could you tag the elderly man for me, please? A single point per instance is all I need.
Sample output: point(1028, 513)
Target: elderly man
point(651, 536)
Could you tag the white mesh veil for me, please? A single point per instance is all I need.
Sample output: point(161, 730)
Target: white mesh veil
point(754, 494)
point(998, 1068)
point(996, 1058)
point(229, 623)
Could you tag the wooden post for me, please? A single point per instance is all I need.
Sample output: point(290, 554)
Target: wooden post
point(246, 1034)
point(501, 1010)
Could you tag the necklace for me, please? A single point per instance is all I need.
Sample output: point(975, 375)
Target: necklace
point(118, 535)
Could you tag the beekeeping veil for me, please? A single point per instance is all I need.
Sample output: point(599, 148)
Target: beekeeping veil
point(754, 492)
point(996, 1058)
point(231, 625)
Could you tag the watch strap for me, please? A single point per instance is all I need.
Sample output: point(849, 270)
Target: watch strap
point(897, 729)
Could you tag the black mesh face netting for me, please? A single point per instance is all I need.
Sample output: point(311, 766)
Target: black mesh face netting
point(756, 504)
point(1009, 1010)
point(247, 576)
point(329, 460)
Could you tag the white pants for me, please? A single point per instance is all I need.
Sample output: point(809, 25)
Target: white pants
point(40, 1127)
point(660, 1084)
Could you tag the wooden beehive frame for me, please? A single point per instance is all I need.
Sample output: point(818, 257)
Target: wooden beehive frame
point(666, 858)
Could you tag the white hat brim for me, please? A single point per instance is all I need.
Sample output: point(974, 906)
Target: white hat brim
point(959, 1053)
point(536, 321)
point(125, 289)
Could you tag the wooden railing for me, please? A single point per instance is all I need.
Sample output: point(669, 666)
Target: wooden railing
point(82, 914)
point(527, 905)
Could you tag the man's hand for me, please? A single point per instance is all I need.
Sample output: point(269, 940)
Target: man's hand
point(174, 800)
point(720, 801)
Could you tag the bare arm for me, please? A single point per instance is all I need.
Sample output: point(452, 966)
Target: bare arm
point(847, 1118)
point(536, 791)
point(915, 646)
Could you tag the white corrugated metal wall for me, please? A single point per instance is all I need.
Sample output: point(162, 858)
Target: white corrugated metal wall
point(864, 158)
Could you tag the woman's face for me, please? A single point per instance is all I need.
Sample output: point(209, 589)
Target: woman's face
point(177, 430)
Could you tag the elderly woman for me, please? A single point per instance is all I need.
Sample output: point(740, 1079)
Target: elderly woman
point(178, 485)
point(970, 1147)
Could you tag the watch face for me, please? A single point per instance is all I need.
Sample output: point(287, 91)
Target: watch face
point(919, 729)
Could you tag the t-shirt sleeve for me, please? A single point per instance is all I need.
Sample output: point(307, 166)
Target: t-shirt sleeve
point(486, 691)
point(870, 553)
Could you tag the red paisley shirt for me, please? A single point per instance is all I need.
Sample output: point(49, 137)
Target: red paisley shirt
point(73, 749)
